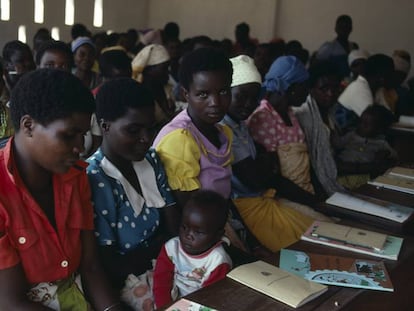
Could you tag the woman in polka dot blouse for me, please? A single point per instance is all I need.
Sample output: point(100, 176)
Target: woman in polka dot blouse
point(133, 204)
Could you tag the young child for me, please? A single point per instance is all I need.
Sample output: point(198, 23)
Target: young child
point(196, 257)
point(365, 150)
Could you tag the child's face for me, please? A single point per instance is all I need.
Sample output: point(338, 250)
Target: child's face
point(55, 59)
point(198, 230)
point(244, 100)
point(208, 97)
point(368, 126)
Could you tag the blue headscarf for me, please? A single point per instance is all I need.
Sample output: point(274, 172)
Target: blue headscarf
point(284, 71)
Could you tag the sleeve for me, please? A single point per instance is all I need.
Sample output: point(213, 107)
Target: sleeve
point(324, 52)
point(162, 181)
point(8, 254)
point(180, 156)
point(104, 207)
point(86, 205)
point(163, 279)
point(258, 126)
point(217, 274)
point(95, 128)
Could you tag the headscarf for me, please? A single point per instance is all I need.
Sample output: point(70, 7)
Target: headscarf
point(79, 41)
point(150, 55)
point(244, 71)
point(402, 60)
point(285, 71)
point(357, 54)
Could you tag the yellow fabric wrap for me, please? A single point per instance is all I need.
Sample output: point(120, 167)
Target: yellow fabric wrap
point(273, 224)
point(294, 164)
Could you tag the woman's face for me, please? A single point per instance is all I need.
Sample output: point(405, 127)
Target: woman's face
point(208, 97)
point(326, 91)
point(55, 59)
point(244, 100)
point(20, 63)
point(297, 93)
point(56, 147)
point(84, 57)
point(130, 136)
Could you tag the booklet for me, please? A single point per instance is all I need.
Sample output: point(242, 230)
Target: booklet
point(403, 172)
point(391, 248)
point(337, 270)
point(371, 206)
point(188, 305)
point(395, 183)
point(277, 283)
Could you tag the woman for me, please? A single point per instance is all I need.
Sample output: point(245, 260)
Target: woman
point(316, 117)
point(46, 219)
point(273, 124)
point(134, 208)
point(151, 68)
point(272, 220)
point(84, 54)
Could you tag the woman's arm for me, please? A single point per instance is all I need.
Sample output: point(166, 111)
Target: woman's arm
point(96, 286)
point(13, 291)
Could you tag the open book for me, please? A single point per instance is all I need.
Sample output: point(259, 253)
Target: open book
point(188, 305)
point(336, 270)
point(371, 206)
point(276, 283)
point(390, 250)
point(397, 178)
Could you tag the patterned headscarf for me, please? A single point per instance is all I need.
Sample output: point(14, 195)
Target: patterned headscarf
point(285, 71)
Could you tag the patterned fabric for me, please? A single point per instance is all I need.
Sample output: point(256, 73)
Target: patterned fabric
point(191, 161)
point(6, 127)
point(45, 253)
point(123, 216)
point(268, 128)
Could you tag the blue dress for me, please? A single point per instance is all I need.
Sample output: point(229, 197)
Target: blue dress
point(123, 217)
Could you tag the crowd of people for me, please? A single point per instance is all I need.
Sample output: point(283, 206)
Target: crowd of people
point(138, 167)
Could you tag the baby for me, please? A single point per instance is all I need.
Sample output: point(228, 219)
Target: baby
point(196, 257)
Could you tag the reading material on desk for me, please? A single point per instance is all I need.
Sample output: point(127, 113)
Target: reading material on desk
point(371, 206)
point(397, 178)
point(277, 283)
point(336, 270)
point(188, 305)
point(333, 235)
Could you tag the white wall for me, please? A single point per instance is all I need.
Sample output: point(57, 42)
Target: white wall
point(215, 18)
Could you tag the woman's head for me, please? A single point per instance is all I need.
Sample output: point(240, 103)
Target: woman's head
point(54, 54)
point(288, 76)
point(151, 65)
point(205, 75)
point(202, 222)
point(245, 87)
point(51, 110)
point(84, 53)
point(125, 110)
point(325, 84)
point(115, 64)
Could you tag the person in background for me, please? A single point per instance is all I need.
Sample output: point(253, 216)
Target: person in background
point(273, 124)
point(47, 244)
point(135, 212)
point(257, 187)
point(364, 153)
point(42, 35)
point(338, 50)
point(151, 68)
point(266, 54)
point(170, 32)
point(317, 120)
point(79, 30)
point(244, 44)
point(54, 54)
point(195, 258)
point(18, 60)
point(402, 65)
point(360, 93)
point(84, 54)
point(357, 60)
point(6, 127)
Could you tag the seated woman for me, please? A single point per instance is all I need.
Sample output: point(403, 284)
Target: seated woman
point(272, 220)
point(134, 207)
point(194, 148)
point(46, 218)
point(54, 54)
point(151, 68)
point(317, 120)
point(273, 124)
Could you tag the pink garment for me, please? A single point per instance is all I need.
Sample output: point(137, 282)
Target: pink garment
point(268, 128)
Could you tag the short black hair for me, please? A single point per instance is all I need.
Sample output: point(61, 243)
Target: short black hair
point(213, 202)
point(203, 59)
point(344, 18)
point(113, 59)
point(56, 46)
point(383, 117)
point(48, 95)
point(79, 30)
point(171, 30)
point(323, 68)
point(12, 47)
point(378, 65)
point(116, 96)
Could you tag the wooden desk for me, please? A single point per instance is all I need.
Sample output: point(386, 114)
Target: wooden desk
point(402, 141)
